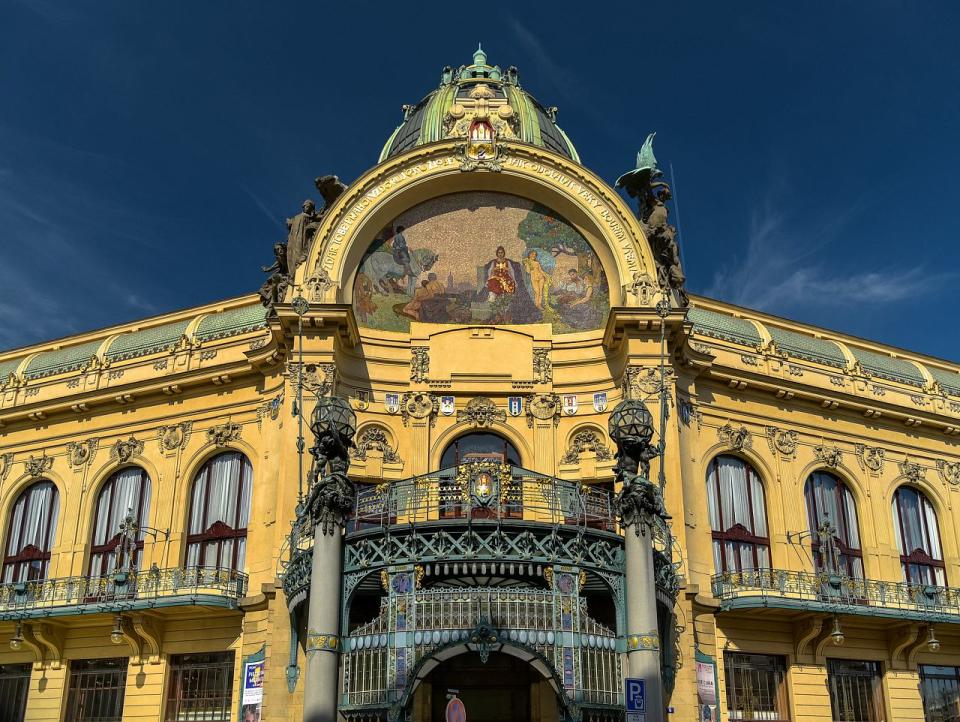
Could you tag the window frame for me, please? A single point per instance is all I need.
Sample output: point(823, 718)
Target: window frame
point(30, 553)
point(919, 557)
point(738, 533)
point(174, 700)
point(733, 668)
point(113, 542)
point(219, 531)
point(847, 553)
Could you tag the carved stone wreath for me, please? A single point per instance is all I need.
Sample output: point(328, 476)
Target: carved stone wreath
point(124, 450)
point(736, 437)
point(481, 411)
point(223, 434)
point(374, 438)
point(783, 440)
point(583, 441)
point(543, 407)
point(829, 455)
point(869, 457)
point(419, 405)
point(81, 452)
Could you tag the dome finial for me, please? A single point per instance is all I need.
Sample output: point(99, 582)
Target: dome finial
point(479, 57)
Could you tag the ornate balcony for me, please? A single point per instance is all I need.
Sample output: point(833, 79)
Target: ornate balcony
point(122, 591)
point(836, 594)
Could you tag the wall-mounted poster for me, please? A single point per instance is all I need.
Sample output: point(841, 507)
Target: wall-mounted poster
point(480, 257)
point(252, 701)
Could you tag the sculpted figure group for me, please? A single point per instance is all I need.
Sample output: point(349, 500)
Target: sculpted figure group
point(290, 254)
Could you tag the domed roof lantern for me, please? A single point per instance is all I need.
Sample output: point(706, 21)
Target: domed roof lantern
point(479, 57)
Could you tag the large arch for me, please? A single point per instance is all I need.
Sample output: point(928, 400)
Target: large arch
point(426, 172)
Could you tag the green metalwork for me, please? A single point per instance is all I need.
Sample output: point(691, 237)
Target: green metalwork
point(807, 348)
point(724, 327)
point(949, 380)
point(122, 591)
point(147, 341)
point(887, 367)
point(836, 594)
point(62, 361)
point(232, 322)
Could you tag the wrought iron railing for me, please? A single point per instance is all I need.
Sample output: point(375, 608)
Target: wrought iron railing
point(836, 593)
point(464, 493)
point(129, 589)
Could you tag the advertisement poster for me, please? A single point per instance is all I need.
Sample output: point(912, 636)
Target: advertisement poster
point(252, 700)
point(706, 686)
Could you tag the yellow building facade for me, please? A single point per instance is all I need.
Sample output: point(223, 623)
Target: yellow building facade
point(482, 303)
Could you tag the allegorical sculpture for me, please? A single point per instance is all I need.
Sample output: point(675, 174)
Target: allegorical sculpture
point(331, 495)
point(644, 183)
point(300, 231)
point(639, 500)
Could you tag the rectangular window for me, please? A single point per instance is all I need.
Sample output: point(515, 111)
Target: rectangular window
point(201, 687)
point(96, 690)
point(856, 694)
point(940, 688)
point(756, 687)
point(14, 685)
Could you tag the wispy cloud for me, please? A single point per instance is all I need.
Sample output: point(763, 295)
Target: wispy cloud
point(786, 268)
point(262, 205)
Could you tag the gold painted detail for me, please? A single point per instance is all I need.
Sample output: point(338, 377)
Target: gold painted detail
point(648, 641)
point(322, 642)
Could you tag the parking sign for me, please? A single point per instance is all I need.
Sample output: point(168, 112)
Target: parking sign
point(636, 698)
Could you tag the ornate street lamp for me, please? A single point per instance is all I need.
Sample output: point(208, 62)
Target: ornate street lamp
point(631, 418)
point(116, 635)
point(933, 644)
point(333, 414)
point(16, 641)
point(836, 636)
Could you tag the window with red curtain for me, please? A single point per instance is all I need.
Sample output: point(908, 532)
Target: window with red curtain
point(829, 501)
point(127, 491)
point(738, 516)
point(219, 513)
point(33, 523)
point(918, 538)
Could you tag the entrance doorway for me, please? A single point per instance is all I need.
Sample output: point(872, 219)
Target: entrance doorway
point(505, 689)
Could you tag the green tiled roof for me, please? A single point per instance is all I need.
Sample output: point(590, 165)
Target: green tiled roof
point(887, 367)
point(807, 347)
point(62, 361)
point(151, 340)
point(8, 367)
point(722, 326)
point(232, 322)
point(949, 380)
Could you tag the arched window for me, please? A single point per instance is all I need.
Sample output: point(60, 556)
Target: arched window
point(918, 538)
point(33, 522)
point(219, 512)
point(128, 490)
point(829, 501)
point(477, 446)
point(738, 516)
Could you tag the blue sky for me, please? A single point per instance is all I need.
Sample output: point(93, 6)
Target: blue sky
point(149, 152)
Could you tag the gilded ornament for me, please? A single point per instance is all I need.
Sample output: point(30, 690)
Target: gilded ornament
point(223, 434)
point(869, 457)
point(737, 438)
point(583, 441)
point(124, 450)
point(481, 411)
point(81, 452)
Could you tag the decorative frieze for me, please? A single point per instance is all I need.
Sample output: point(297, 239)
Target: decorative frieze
point(223, 434)
point(175, 436)
point(481, 411)
point(869, 457)
point(583, 441)
point(543, 407)
point(79, 453)
point(419, 364)
point(737, 438)
point(374, 438)
point(125, 449)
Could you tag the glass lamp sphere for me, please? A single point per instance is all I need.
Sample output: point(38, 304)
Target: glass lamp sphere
point(16, 643)
point(116, 636)
point(630, 417)
point(333, 413)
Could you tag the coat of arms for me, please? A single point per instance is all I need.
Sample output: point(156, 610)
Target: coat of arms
point(569, 404)
point(392, 403)
point(363, 400)
point(600, 402)
point(515, 405)
point(447, 405)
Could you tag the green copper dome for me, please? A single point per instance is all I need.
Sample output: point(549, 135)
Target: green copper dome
point(431, 120)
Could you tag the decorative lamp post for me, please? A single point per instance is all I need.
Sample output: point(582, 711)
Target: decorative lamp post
point(329, 502)
point(640, 508)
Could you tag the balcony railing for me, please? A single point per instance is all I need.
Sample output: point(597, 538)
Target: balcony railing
point(835, 593)
point(483, 492)
point(144, 589)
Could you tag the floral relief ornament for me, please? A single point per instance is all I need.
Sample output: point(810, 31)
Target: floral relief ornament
point(374, 438)
point(737, 438)
point(223, 434)
point(481, 411)
point(912, 471)
point(587, 440)
point(829, 455)
point(542, 366)
point(949, 471)
point(124, 450)
point(419, 364)
point(6, 463)
point(38, 465)
point(869, 457)
point(783, 440)
point(175, 436)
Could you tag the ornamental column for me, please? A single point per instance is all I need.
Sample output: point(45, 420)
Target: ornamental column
point(639, 506)
point(328, 504)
